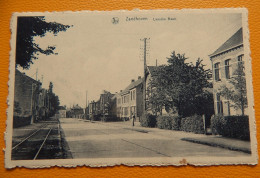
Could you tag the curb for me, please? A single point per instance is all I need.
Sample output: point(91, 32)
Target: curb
point(217, 145)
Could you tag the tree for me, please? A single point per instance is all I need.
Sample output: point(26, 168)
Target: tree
point(27, 29)
point(179, 86)
point(50, 87)
point(53, 99)
point(237, 92)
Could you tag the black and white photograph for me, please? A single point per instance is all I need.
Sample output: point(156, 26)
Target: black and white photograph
point(141, 87)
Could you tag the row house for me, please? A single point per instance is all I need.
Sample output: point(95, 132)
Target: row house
point(106, 103)
point(129, 102)
point(31, 101)
point(225, 61)
point(94, 109)
point(75, 112)
point(61, 113)
point(150, 72)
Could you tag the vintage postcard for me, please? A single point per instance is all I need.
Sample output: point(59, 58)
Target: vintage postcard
point(141, 87)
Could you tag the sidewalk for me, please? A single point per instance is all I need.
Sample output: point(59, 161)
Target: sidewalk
point(210, 140)
point(219, 141)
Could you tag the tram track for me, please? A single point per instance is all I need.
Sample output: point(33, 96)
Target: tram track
point(41, 143)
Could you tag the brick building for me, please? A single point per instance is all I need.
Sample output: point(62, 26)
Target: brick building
point(29, 100)
point(130, 100)
point(225, 61)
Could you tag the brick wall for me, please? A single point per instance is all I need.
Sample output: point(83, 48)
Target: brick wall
point(233, 56)
point(23, 93)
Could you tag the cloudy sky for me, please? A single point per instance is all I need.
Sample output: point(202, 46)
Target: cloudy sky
point(96, 55)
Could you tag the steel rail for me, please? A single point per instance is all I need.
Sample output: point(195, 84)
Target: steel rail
point(42, 144)
point(28, 137)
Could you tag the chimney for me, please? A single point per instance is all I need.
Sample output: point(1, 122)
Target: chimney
point(139, 77)
point(132, 80)
point(121, 90)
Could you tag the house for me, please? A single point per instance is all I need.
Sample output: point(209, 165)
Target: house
point(43, 104)
point(225, 61)
point(150, 72)
point(25, 99)
point(94, 110)
point(105, 103)
point(62, 112)
point(130, 100)
point(113, 108)
point(77, 112)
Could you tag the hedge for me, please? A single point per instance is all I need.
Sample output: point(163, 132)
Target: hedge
point(193, 124)
point(231, 126)
point(21, 121)
point(148, 120)
point(110, 118)
point(168, 122)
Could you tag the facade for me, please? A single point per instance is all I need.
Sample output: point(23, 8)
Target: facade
point(113, 108)
point(94, 109)
point(77, 112)
point(130, 100)
point(30, 100)
point(62, 112)
point(118, 104)
point(150, 72)
point(106, 103)
point(225, 61)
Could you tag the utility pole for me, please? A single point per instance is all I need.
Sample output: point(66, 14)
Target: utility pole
point(42, 79)
point(32, 104)
point(145, 66)
point(36, 74)
point(86, 110)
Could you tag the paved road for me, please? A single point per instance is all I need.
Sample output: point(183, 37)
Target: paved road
point(107, 140)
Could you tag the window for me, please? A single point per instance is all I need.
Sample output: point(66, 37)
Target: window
point(219, 104)
point(216, 69)
point(227, 68)
point(228, 107)
point(240, 58)
point(134, 95)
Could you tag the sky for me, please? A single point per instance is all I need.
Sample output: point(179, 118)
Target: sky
point(96, 55)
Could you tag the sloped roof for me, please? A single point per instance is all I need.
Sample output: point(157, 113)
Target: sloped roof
point(76, 107)
point(132, 85)
point(233, 41)
point(27, 77)
point(61, 108)
point(152, 69)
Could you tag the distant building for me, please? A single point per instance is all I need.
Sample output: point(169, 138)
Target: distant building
point(62, 112)
point(77, 112)
point(105, 103)
point(94, 110)
point(118, 104)
point(224, 62)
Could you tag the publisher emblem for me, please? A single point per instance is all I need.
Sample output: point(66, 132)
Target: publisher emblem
point(115, 20)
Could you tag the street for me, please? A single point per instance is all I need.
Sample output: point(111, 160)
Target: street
point(119, 139)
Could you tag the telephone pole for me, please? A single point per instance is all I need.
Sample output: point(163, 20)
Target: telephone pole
point(36, 74)
point(42, 79)
point(86, 98)
point(145, 66)
point(86, 110)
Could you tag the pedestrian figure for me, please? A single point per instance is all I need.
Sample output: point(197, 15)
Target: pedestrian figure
point(133, 120)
